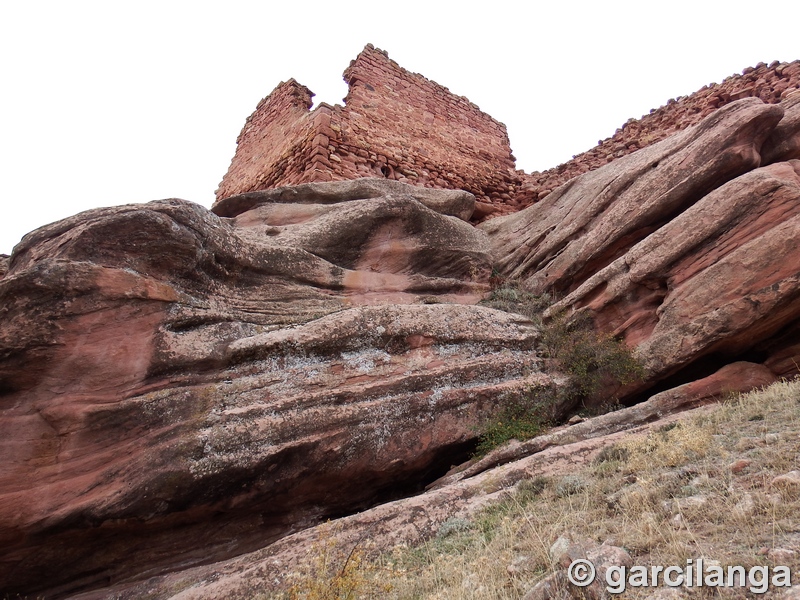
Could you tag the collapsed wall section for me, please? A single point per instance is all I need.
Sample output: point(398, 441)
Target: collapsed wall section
point(275, 142)
point(395, 124)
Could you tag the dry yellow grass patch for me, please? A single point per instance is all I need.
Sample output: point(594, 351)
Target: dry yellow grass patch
point(666, 497)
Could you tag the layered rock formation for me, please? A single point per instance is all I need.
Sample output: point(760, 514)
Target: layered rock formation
point(687, 249)
point(179, 387)
point(394, 124)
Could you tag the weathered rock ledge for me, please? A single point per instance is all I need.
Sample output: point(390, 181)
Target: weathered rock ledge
point(179, 387)
point(687, 250)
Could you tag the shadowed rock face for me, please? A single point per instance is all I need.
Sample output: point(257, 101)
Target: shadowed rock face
point(178, 387)
point(784, 143)
point(686, 250)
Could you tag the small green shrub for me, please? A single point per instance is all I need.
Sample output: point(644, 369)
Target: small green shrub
point(452, 526)
point(590, 359)
point(521, 417)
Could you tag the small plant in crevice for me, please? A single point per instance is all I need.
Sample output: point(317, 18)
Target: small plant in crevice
point(512, 297)
point(521, 417)
point(591, 360)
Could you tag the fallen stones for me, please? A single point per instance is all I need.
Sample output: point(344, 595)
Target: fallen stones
point(563, 553)
point(789, 483)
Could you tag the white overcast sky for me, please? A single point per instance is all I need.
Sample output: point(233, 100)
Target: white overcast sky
point(113, 102)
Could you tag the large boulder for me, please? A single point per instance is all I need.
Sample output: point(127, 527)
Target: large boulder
point(178, 387)
point(716, 280)
point(687, 250)
point(556, 244)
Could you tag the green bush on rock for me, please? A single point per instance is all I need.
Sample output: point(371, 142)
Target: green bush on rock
point(590, 359)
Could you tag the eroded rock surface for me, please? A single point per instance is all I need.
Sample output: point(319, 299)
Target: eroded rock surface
point(718, 279)
point(687, 250)
point(179, 387)
point(587, 223)
point(784, 143)
point(406, 521)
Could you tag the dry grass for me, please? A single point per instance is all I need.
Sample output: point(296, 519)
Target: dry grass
point(666, 497)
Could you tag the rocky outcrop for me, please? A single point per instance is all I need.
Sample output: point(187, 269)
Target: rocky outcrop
point(784, 143)
point(586, 224)
point(401, 126)
point(738, 377)
point(179, 387)
point(719, 278)
point(379, 529)
point(686, 250)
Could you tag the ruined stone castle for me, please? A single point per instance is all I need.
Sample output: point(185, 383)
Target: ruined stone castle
point(399, 125)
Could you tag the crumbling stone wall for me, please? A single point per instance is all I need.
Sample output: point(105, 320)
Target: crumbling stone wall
point(394, 124)
point(771, 83)
point(400, 125)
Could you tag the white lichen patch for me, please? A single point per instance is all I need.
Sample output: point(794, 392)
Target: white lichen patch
point(365, 361)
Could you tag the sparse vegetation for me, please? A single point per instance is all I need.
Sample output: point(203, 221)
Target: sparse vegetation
point(590, 359)
point(521, 417)
point(335, 573)
point(698, 487)
point(665, 497)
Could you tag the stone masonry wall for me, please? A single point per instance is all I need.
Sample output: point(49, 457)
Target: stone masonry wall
point(275, 142)
point(394, 124)
point(402, 126)
point(771, 83)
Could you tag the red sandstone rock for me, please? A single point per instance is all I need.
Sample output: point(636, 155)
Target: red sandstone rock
point(179, 387)
point(738, 466)
point(784, 143)
point(454, 203)
point(776, 82)
point(736, 377)
point(719, 278)
point(407, 521)
point(583, 226)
